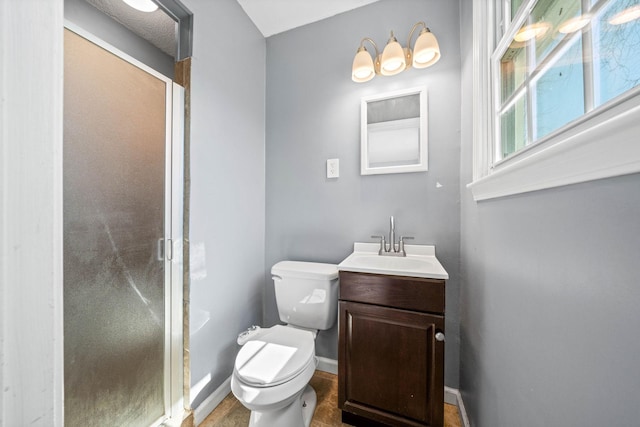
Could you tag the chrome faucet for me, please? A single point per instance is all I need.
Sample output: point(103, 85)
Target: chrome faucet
point(392, 249)
point(392, 235)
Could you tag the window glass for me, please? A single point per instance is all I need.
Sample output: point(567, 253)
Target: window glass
point(513, 69)
point(513, 125)
point(562, 62)
point(549, 16)
point(618, 45)
point(560, 91)
point(515, 5)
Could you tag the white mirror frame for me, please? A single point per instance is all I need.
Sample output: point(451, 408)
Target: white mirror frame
point(411, 154)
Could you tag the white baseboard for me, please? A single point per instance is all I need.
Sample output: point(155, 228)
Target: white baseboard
point(327, 365)
point(210, 403)
point(453, 397)
point(450, 397)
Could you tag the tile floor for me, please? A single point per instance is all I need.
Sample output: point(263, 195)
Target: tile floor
point(230, 413)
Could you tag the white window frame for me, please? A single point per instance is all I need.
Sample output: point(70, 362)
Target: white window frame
point(600, 144)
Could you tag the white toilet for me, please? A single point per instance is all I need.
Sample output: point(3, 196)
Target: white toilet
point(273, 368)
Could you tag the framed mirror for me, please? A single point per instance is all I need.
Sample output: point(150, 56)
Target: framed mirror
point(393, 132)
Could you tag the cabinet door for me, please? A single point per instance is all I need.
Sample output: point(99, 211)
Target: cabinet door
point(391, 368)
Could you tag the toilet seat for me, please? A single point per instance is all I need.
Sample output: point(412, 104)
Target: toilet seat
point(275, 356)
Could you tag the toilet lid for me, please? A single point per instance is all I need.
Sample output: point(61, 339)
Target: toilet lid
point(275, 357)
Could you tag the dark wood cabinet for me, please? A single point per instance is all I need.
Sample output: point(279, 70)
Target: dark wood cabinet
point(390, 364)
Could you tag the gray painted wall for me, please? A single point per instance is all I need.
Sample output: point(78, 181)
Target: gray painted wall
point(227, 188)
point(91, 19)
point(313, 114)
point(549, 298)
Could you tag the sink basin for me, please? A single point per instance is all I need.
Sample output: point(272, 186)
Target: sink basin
point(420, 261)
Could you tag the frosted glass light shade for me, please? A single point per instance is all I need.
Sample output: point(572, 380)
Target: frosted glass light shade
point(362, 69)
point(426, 51)
point(393, 61)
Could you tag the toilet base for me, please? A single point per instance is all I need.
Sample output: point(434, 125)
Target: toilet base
point(296, 414)
point(309, 401)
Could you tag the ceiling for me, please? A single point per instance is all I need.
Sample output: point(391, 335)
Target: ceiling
point(155, 27)
point(276, 16)
point(270, 17)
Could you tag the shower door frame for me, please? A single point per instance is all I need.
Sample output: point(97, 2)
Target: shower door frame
point(171, 246)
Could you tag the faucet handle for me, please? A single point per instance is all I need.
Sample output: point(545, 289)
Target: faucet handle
point(401, 244)
point(383, 244)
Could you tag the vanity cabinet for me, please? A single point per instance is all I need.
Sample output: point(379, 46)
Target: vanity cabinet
point(390, 364)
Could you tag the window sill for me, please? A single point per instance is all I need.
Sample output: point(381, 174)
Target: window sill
point(602, 146)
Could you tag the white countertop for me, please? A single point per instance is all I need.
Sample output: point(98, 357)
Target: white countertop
point(420, 261)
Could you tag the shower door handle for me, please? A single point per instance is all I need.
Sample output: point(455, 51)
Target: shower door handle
point(162, 251)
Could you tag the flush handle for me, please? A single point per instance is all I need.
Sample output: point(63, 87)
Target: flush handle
point(439, 336)
point(160, 249)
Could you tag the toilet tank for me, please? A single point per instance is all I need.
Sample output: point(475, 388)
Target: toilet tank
point(306, 293)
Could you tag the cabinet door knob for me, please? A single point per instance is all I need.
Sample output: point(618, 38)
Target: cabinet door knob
point(439, 336)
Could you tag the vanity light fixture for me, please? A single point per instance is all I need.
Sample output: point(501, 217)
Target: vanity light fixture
point(142, 5)
point(395, 59)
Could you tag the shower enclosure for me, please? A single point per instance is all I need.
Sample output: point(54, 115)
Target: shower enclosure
point(122, 234)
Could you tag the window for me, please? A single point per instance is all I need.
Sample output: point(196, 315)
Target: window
point(560, 72)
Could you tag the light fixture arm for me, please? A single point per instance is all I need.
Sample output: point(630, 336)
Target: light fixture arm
point(375, 47)
point(376, 59)
point(415, 27)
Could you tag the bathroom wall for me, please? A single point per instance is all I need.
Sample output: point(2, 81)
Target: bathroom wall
point(549, 298)
point(227, 188)
point(313, 114)
point(84, 15)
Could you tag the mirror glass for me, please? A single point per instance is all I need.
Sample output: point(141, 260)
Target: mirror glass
point(394, 132)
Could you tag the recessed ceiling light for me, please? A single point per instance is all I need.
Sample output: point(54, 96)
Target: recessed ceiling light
point(142, 5)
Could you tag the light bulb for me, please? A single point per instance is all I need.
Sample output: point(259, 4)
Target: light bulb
point(392, 65)
point(425, 56)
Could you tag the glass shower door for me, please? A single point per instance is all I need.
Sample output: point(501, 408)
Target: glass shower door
point(114, 223)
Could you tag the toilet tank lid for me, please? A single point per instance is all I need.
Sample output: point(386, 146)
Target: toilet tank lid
point(305, 270)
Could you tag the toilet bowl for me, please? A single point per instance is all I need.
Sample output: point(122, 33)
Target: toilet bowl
point(271, 377)
point(273, 368)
